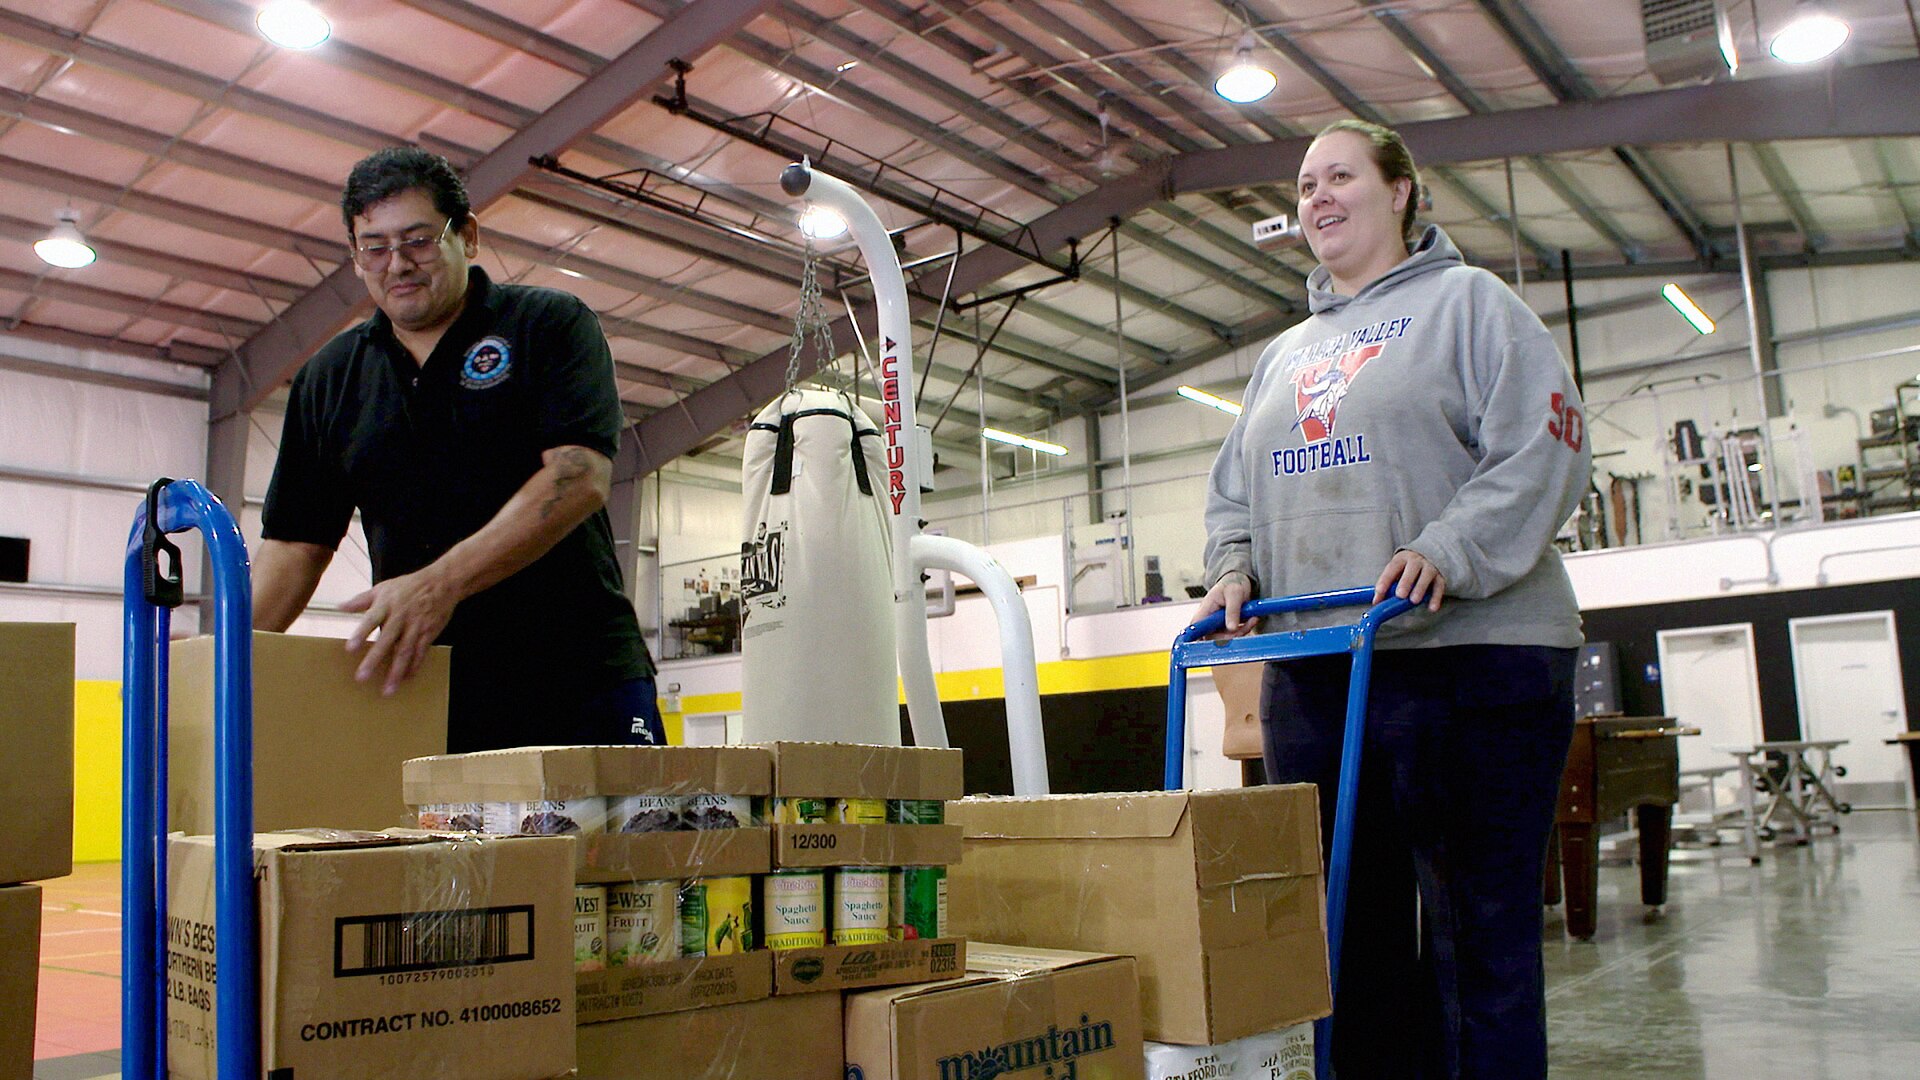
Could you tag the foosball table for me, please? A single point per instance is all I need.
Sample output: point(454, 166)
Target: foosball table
point(1615, 764)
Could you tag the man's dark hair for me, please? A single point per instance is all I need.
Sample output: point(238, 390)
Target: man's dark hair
point(385, 173)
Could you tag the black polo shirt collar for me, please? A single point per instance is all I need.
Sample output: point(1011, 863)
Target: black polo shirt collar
point(480, 311)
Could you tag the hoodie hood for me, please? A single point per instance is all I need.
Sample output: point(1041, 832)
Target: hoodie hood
point(1435, 251)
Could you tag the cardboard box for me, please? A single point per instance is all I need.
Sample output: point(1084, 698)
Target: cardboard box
point(572, 772)
point(1240, 690)
point(857, 771)
point(1218, 893)
point(19, 976)
point(850, 967)
point(326, 750)
point(1017, 1012)
point(36, 717)
point(790, 1038)
point(866, 845)
point(1286, 1054)
point(652, 989)
point(401, 957)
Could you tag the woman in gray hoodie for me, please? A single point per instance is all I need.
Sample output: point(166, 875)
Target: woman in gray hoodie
point(1420, 431)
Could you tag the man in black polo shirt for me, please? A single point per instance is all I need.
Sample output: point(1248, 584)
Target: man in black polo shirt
point(473, 425)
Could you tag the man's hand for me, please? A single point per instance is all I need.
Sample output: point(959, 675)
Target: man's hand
point(1228, 594)
point(1410, 576)
point(409, 611)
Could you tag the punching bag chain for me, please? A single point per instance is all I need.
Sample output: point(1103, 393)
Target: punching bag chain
point(808, 317)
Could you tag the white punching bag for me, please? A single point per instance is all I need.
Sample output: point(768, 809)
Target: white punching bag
point(816, 580)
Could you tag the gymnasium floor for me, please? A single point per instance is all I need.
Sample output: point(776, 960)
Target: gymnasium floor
point(1805, 966)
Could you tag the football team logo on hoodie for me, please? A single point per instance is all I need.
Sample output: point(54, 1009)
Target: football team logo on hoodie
point(1319, 387)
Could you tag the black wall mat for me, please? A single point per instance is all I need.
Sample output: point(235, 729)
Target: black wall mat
point(13, 558)
point(1103, 740)
point(1632, 631)
point(1111, 740)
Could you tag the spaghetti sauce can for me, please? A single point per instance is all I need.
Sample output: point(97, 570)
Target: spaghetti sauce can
point(716, 916)
point(643, 923)
point(794, 909)
point(859, 905)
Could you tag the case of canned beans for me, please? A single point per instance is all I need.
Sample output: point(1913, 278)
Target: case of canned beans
point(682, 898)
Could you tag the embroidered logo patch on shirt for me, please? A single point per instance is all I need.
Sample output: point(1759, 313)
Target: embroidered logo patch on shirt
point(487, 363)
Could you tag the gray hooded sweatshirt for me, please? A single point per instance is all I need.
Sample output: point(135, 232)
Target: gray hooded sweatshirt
point(1430, 412)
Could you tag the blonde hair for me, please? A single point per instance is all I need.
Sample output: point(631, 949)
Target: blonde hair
point(1395, 161)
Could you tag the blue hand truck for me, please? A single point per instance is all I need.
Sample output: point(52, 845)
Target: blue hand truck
point(153, 590)
point(1193, 649)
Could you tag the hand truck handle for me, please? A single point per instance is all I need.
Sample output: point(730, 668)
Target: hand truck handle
point(1261, 607)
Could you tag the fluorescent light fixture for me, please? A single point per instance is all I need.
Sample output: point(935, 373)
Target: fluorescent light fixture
point(1812, 35)
point(64, 246)
point(821, 223)
point(1212, 401)
point(1008, 437)
point(848, 66)
point(1688, 310)
point(292, 24)
point(1245, 82)
point(570, 273)
point(1755, 467)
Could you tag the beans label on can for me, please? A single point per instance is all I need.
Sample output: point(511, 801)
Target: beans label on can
point(717, 812)
point(646, 813)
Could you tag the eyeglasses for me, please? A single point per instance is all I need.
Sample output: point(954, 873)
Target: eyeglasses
point(418, 250)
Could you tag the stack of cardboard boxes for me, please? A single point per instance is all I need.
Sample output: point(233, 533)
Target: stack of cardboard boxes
point(1217, 894)
point(36, 715)
point(725, 896)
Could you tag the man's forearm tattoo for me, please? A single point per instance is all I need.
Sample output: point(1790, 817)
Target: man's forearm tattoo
point(570, 466)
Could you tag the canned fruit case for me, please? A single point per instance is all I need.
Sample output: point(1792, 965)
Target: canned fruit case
point(589, 928)
point(643, 923)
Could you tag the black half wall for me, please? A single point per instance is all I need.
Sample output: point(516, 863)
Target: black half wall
point(1112, 740)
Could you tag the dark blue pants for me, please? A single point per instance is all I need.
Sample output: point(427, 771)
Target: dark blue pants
point(1441, 969)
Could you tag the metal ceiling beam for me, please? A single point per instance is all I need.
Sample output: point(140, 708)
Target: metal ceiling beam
point(160, 262)
point(50, 287)
point(1353, 103)
point(74, 185)
point(1122, 108)
point(1812, 237)
point(95, 377)
point(181, 80)
point(270, 357)
point(1866, 101)
point(1554, 70)
point(1876, 99)
point(1897, 192)
point(177, 352)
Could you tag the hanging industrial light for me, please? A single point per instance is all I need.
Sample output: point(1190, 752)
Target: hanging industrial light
point(820, 223)
point(1812, 35)
point(292, 24)
point(1244, 81)
point(1008, 437)
point(1688, 310)
point(65, 247)
point(1211, 401)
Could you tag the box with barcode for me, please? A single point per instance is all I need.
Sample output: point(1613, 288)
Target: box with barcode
point(386, 955)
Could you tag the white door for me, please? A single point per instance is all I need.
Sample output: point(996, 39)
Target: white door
point(1846, 669)
point(1710, 680)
